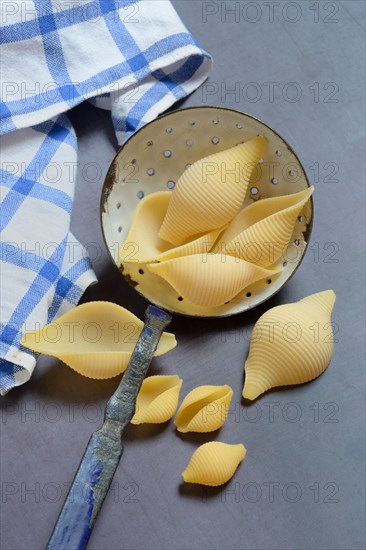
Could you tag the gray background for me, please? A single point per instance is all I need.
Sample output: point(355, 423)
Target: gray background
point(318, 459)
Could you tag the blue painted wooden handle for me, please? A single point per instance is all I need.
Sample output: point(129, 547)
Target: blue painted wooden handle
point(105, 448)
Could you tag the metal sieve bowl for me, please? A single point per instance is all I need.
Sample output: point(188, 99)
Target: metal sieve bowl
point(154, 158)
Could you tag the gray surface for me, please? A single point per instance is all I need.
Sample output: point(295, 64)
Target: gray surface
point(148, 507)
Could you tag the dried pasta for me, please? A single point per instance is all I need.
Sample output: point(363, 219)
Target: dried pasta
point(96, 339)
point(290, 344)
point(210, 279)
point(214, 463)
point(157, 400)
point(210, 192)
point(204, 409)
point(143, 243)
point(261, 232)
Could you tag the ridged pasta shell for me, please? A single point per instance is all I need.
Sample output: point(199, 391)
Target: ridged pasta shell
point(261, 232)
point(96, 339)
point(157, 400)
point(200, 245)
point(290, 344)
point(210, 279)
point(214, 463)
point(204, 409)
point(143, 243)
point(211, 191)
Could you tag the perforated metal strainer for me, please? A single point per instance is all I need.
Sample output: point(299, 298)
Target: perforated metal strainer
point(154, 158)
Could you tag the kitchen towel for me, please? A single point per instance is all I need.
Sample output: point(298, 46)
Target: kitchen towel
point(134, 57)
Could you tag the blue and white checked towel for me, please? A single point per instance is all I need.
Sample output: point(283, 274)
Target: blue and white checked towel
point(134, 57)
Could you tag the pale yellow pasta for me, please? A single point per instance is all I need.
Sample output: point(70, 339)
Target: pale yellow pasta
point(261, 232)
point(143, 243)
point(204, 409)
point(214, 463)
point(201, 245)
point(290, 344)
point(210, 192)
point(157, 399)
point(210, 279)
point(96, 339)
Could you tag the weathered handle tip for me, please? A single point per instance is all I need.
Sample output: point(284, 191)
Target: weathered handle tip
point(153, 311)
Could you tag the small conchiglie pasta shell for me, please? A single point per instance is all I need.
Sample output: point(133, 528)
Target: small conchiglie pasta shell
point(261, 232)
point(204, 409)
point(290, 344)
point(96, 339)
point(211, 191)
point(143, 243)
point(210, 279)
point(157, 400)
point(214, 463)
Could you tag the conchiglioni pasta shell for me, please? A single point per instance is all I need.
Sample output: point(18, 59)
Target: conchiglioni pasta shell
point(211, 191)
point(290, 344)
point(204, 409)
point(214, 463)
point(96, 339)
point(261, 232)
point(210, 279)
point(143, 244)
point(157, 400)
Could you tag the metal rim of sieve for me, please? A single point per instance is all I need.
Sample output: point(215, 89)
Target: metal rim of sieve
point(152, 151)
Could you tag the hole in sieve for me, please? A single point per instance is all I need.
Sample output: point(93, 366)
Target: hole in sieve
point(269, 281)
point(191, 123)
point(118, 205)
point(215, 140)
point(239, 126)
point(279, 153)
point(149, 143)
point(133, 161)
point(248, 294)
point(188, 166)
point(169, 130)
point(180, 299)
point(297, 242)
point(119, 229)
point(150, 171)
point(274, 181)
point(260, 161)
point(170, 184)
point(167, 153)
point(284, 264)
point(215, 121)
point(140, 195)
point(254, 191)
point(141, 271)
point(189, 142)
point(301, 218)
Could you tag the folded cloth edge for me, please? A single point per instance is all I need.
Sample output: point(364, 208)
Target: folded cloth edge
point(37, 117)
